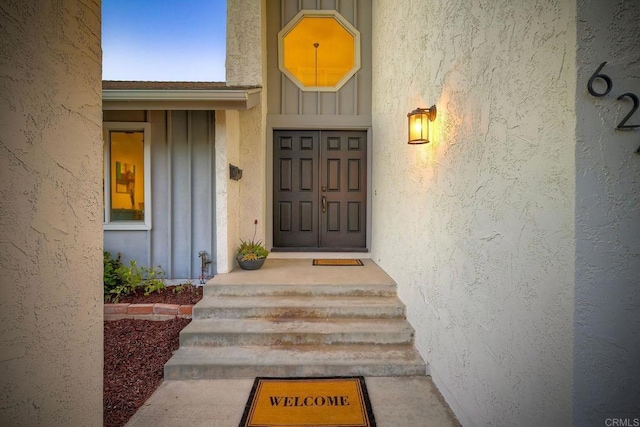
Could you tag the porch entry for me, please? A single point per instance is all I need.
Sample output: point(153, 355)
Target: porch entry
point(320, 189)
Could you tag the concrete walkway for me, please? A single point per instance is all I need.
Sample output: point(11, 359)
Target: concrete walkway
point(401, 401)
point(396, 402)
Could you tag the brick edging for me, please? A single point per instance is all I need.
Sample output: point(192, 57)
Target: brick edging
point(157, 311)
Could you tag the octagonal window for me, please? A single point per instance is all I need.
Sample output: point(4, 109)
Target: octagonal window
point(319, 50)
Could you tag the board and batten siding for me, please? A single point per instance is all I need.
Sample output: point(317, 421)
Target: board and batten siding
point(182, 194)
point(288, 105)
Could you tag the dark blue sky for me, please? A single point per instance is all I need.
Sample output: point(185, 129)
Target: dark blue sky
point(163, 40)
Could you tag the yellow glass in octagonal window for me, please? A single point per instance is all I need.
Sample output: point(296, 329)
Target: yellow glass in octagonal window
point(319, 50)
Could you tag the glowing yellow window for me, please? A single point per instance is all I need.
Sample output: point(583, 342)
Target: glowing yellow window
point(127, 198)
point(319, 50)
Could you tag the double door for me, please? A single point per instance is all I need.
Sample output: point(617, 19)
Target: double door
point(320, 188)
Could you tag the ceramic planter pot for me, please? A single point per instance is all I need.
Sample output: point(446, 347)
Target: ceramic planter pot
point(252, 264)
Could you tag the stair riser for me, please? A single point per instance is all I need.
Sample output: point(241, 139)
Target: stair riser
point(301, 290)
point(284, 339)
point(392, 312)
point(197, 372)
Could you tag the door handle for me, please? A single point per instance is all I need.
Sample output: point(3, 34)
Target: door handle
point(324, 204)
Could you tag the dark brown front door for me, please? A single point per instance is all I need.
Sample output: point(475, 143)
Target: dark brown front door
point(320, 187)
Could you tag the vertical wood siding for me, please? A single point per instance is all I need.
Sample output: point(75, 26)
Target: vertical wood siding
point(354, 98)
point(182, 188)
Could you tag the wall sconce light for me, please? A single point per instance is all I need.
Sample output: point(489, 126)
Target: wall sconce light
point(419, 124)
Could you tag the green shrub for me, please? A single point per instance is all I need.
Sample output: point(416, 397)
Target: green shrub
point(112, 279)
point(184, 287)
point(251, 250)
point(120, 279)
point(153, 280)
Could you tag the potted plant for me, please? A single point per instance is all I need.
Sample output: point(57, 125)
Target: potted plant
point(251, 254)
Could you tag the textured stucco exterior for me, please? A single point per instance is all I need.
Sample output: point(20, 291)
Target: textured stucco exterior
point(245, 47)
point(246, 53)
point(477, 227)
point(50, 213)
point(607, 314)
point(253, 183)
point(227, 190)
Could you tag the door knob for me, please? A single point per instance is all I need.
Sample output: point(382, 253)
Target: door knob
point(324, 189)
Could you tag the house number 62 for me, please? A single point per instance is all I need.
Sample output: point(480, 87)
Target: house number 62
point(632, 96)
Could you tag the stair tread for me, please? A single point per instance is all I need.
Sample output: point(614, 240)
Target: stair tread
point(297, 301)
point(303, 283)
point(360, 354)
point(275, 289)
point(297, 325)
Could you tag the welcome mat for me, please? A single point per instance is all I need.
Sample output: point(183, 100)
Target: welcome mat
point(340, 262)
point(300, 402)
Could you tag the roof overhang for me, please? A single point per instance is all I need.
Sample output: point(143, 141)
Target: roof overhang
point(222, 98)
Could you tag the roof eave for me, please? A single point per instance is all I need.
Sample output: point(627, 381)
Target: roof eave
point(156, 99)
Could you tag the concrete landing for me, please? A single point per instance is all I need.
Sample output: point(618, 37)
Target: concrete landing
point(396, 402)
point(301, 271)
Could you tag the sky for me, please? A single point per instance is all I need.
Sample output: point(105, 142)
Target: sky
point(163, 40)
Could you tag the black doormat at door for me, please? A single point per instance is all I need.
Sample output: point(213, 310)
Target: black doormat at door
point(342, 262)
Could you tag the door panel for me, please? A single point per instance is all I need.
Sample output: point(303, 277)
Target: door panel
point(320, 190)
point(343, 177)
point(295, 189)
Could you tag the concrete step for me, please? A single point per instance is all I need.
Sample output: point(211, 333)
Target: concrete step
point(282, 332)
point(298, 307)
point(290, 361)
point(288, 289)
point(291, 318)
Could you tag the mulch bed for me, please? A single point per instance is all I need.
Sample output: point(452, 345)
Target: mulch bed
point(190, 295)
point(135, 352)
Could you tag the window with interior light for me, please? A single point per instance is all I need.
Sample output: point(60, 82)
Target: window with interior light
point(319, 50)
point(127, 195)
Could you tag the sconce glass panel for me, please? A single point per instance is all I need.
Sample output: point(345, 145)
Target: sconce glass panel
point(419, 124)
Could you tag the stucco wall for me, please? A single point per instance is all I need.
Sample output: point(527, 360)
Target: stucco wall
point(244, 42)
point(227, 191)
point(252, 185)
point(477, 227)
point(50, 213)
point(246, 56)
point(607, 314)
